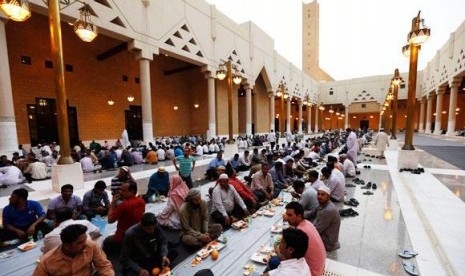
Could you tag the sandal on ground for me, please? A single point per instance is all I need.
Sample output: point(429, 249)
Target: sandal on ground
point(350, 185)
point(350, 203)
point(407, 254)
point(410, 268)
point(367, 193)
point(374, 186)
point(354, 201)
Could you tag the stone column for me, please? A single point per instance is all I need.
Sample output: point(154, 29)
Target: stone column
point(288, 114)
point(346, 117)
point(300, 117)
point(8, 134)
point(272, 113)
point(211, 105)
point(439, 97)
point(309, 118)
point(146, 100)
point(422, 115)
point(248, 109)
point(316, 118)
point(429, 111)
point(454, 87)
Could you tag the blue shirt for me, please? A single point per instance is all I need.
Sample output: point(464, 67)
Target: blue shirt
point(25, 218)
point(178, 152)
point(159, 183)
point(215, 163)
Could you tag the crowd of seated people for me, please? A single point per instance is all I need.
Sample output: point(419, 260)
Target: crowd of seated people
point(272, 170)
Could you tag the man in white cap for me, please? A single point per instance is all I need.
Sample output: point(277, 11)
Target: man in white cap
point(195, 230)
point(227, 205)
point(381, 142)
point(159, 184)
point(123, 176)
point(328, 220)
point(348, 166)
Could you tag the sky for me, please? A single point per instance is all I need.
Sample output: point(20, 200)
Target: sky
point(358, 38)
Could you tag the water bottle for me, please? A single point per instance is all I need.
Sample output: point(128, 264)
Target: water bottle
point(40, 235)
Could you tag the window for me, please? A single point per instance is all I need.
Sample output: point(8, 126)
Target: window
point(48, 64)
point(402, 86)
point(125, 78)
point(364, 105)
point(69, 68)
point(331, 92)
point(26, 60)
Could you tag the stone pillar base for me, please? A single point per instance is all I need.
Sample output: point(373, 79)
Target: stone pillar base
point(408, 159)
point(451, 133)
point(67, 174)
point(393, 144)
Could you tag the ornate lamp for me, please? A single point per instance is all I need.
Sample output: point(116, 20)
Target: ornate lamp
point(83, 27)
point(16, 10)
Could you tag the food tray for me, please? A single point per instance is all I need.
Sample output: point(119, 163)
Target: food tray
point(27, 246)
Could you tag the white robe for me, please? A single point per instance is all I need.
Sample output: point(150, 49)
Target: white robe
point(381, 142)
point(352, 146)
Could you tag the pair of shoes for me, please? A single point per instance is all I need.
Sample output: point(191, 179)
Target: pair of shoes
point(374, 186)
point(417, 171)
point(367, 186)
point(369, 160)
point(422, 170)
point(357, 172)
point(348, 212)
point(350, 203)
point(410, 268)
point(350, 185)
point(407, 254)
point(367, 166)
point(368, 193)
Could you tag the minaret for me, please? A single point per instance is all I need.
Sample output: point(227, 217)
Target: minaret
point(311, 41)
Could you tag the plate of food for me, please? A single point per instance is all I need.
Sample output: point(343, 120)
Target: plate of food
point(207, 249)
point(278, 228)
point(27, 246)
point(196, 261)
point(277, 202)
point(260, 258)
point(269, 213)
point(215, 245)
point(240, 224)
point(265, 250)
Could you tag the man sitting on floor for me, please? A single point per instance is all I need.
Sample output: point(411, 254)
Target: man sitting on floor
point(262, 184)
point(307, 198)
point(227, 205)
point(124, 175)
point(144, 247)
point(75, 256)
point(291, 251)
point(335, 184)
point(159, 184)
point(64, 218)
point(22, 218)
point(314, 180)
point(66, 199)
point(128, 213)
point(194, 215)
point(328, 220)
point(348, 166)
point(213, 165)
point(250, 200)
point(96, 201)
point(316, 253)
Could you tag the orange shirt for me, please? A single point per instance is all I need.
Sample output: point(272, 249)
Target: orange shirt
point(152, 157)
point(55, 262)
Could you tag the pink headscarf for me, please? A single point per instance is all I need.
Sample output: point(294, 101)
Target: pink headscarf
point(178, 191)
